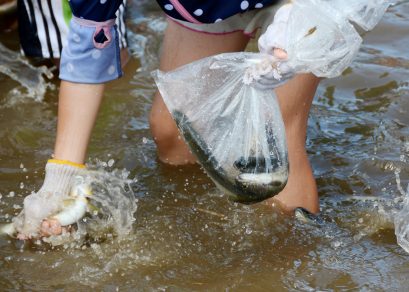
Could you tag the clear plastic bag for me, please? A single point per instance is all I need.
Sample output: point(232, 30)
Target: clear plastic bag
point(365, 13)
point(230, 118)
point(320, 36)
point(235, 130)
point(401, 222)
point(319, 39)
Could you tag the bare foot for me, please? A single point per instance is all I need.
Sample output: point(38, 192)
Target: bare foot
point(301, 188)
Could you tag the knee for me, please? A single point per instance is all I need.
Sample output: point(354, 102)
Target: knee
point(163, 128)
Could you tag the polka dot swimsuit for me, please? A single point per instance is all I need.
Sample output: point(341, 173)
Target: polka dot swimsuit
point(96, 10)
point(195, 11)
point(209, 11)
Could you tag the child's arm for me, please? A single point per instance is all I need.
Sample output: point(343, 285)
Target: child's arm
point(77, 112)
point(90, 58)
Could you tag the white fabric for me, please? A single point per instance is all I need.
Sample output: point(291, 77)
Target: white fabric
point(58, 181)
point(276, 33)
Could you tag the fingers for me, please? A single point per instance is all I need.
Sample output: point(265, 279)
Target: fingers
point(280, 53)
point(275, 36)
point(48, 228)
point(51, 227)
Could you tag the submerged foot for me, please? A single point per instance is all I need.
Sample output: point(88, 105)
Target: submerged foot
point(307, 217)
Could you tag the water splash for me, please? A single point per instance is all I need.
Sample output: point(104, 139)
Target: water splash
point(31, 78)
point(113, 203)
point(401, 218)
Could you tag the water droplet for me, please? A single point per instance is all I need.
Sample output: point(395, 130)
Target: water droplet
point(111, 70)
point(336, 244)
point(297, 263)
point(169, 7)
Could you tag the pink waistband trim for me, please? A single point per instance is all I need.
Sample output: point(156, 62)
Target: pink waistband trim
point(248, 34)
point(91, 23)
point(185, 14)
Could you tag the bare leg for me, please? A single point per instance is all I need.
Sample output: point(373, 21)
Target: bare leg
point(295, 100)
point(182, 46)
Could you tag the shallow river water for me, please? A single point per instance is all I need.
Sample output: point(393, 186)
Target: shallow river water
point(186, 234)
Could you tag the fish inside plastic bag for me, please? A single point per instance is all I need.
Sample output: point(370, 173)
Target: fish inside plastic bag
point(234, 126)
point(235, 130)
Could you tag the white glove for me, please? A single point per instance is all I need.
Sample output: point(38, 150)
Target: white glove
point(273, 42)
point(59, 179)
point(275, 37)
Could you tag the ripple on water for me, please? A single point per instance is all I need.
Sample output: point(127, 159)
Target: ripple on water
point(188, 236)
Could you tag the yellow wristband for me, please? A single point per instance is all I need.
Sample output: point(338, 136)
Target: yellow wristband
point(66, 162)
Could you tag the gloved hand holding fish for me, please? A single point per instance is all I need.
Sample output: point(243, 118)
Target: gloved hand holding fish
point(60, 202)
point(225, 105)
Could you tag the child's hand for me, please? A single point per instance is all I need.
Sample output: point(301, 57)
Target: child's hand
point(32, 221)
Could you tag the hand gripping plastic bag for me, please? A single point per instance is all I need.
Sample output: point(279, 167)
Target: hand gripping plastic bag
point(321, 37)
point(235, 130)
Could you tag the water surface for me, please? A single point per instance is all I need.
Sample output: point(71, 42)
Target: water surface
point(189, 236)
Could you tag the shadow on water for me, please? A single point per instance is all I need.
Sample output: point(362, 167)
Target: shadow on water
point(185, 235)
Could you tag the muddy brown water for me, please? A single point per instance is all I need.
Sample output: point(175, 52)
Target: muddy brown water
point(187, 235)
